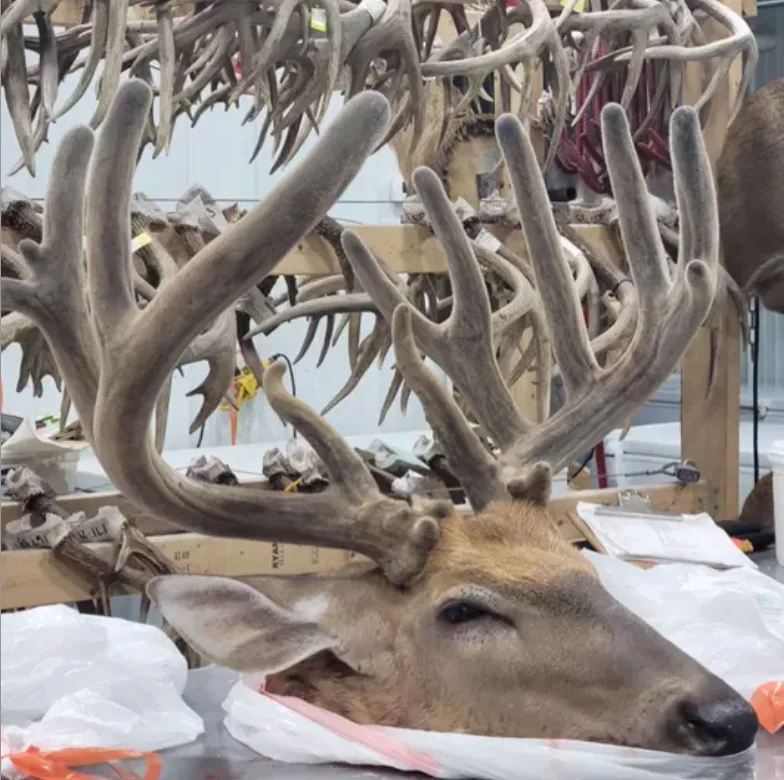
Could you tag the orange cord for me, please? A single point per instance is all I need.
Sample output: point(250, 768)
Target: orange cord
point(768, 703)
point(57, 764)
point(233, 422)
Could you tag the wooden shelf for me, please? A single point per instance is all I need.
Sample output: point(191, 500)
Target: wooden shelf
point(30, 578)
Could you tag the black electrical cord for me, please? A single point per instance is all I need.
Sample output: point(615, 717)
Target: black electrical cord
point(755, 342)
point(291, 370)
point(583, 464)
point(291, 374)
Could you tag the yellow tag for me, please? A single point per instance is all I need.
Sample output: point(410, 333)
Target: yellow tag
point(318, 20)
point(579, 7)
point(245, 386)
point(141, 240)
point(292, 487)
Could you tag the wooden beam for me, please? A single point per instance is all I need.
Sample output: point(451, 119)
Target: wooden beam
point(405, 248)
point(413, 249)
point(710, 427)
point(34, 577)
point(31, 578)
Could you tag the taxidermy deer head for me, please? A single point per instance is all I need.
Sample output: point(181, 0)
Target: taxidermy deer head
point(486, 623)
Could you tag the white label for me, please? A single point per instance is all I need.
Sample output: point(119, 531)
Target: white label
point(375, 8)
point(106, 526)
point(487, 240)
point(20, 535)
point(141, 240)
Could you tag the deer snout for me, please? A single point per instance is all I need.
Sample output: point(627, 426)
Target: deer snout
point(720, 726)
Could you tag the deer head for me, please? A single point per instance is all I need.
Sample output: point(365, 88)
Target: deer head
point(488, 623)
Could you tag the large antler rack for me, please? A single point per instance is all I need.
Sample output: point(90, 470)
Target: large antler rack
point(115, 356)
point(669, 311)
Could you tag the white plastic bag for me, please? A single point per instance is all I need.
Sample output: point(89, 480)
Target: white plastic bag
point(289, 730)
point(732, 622)
point(73, 680)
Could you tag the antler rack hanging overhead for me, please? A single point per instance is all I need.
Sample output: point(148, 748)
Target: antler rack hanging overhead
point(283, 60)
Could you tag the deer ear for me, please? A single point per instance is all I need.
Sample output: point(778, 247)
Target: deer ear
point(233, 625)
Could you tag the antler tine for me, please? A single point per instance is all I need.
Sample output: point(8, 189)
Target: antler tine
point(669, 313)
point(216, 345)
point(53, 297)
point(139, 349)
point(330, 304)
point(463, 345)
point(638, 224)
point(100, 29)
point(470, 462)
point(555, 286)
point(339, 458)
point(696, 199)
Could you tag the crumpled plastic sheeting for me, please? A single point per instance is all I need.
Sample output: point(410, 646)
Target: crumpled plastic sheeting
point(731, 621)
point(73, 680)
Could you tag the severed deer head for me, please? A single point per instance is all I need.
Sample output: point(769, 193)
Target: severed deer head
point(488, 623)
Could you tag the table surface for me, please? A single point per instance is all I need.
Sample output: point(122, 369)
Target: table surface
point(768, 564)
point(218, 755)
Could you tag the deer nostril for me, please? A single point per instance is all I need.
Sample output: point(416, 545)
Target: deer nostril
point(722, 728)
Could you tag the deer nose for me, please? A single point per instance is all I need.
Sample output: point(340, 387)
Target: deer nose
point(721, 728)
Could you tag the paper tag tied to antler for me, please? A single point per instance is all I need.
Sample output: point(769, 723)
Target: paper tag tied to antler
point(106, 526)
point(487, 240)
point(22, 535)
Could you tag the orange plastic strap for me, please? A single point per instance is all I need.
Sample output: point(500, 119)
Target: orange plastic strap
point(768, 703)
point(58, 764)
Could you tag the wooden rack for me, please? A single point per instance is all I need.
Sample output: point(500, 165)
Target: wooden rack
point(709, 428)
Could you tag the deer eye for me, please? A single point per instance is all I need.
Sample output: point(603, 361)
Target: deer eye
point(457, 612)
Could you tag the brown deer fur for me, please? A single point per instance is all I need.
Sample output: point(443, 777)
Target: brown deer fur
point(750, 193)
point(407, 668)
point(758, 506)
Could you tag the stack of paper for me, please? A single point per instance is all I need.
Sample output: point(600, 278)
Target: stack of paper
point(633, 536)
